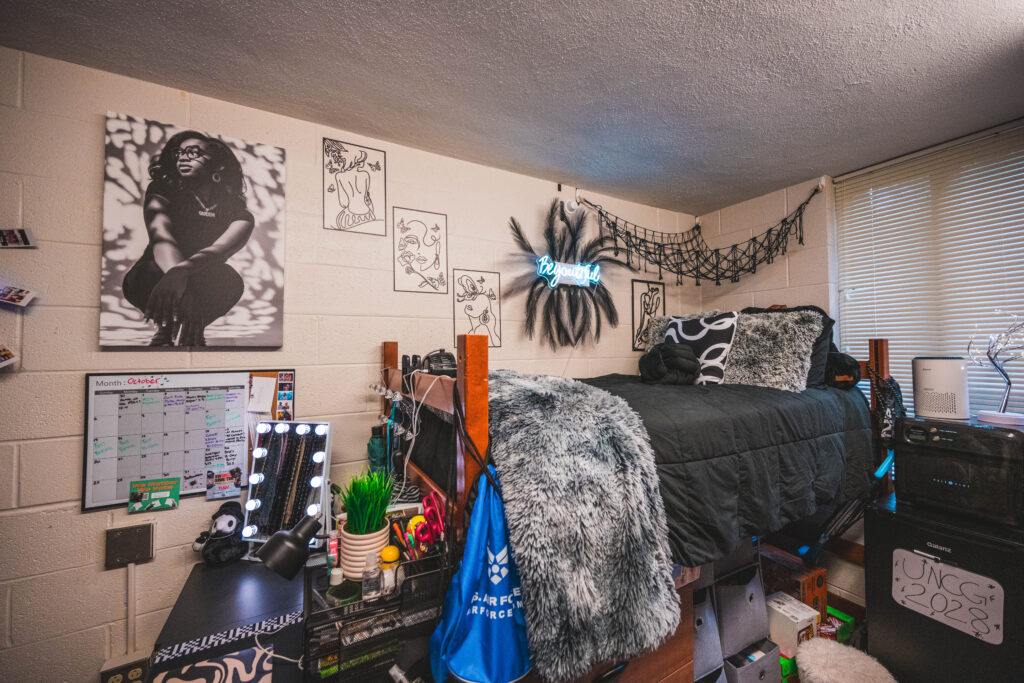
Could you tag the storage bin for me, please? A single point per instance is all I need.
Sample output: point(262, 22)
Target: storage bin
point(716, 676)
point(707, 644)
point(706, 578)
point(742, 613)
point(743, 557)
point(766, 669)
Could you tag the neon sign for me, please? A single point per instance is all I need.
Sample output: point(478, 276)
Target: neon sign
point(580, 274)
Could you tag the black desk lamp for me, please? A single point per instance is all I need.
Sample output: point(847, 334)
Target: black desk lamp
point(287, 551)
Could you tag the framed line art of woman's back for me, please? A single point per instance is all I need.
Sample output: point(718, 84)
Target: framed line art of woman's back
point(193, 251)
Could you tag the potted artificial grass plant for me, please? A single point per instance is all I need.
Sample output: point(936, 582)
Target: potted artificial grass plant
point(366, 500)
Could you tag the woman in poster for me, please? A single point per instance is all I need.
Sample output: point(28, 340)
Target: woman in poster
point(196, 217)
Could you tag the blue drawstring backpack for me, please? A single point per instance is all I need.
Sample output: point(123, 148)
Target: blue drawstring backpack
point(482, 634)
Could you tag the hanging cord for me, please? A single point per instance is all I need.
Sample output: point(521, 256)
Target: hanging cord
point(264, 650)
point(415, 430)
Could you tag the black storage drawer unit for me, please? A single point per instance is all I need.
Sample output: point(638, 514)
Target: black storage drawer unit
point(945, 596)
point(742, 614)
point(966, 468)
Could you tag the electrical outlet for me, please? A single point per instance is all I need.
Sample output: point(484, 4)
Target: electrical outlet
point(120, 671)
point(129, 544)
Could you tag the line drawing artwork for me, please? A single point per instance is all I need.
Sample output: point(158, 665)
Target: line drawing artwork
point(421, 251)
point(355, 188)
point(648, 303)
point(477, 304)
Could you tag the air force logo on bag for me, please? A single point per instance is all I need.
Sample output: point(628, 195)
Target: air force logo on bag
point(497, 565)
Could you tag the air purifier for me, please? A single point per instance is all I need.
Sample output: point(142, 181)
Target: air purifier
point(940, 388)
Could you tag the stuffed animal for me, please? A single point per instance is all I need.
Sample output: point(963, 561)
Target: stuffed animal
point(223, 543)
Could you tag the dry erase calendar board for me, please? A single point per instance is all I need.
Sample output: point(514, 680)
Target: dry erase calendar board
point(170, 424)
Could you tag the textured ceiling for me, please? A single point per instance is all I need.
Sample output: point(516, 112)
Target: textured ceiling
point(684, 105)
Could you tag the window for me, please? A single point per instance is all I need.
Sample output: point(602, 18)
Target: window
point(930, 246)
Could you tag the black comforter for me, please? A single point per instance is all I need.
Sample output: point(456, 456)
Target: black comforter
point(736, 461)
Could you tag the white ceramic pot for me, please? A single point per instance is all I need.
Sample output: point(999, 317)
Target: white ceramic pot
point(355, 548)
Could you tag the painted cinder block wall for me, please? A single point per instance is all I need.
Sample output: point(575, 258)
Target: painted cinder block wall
point(61, 614)
point(806, 274)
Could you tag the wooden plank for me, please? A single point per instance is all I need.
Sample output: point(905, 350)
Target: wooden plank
point(388, 359)
point(683, 674)
point(424, 388)
point(473, 387)
point(848, 550)
point(878, 360)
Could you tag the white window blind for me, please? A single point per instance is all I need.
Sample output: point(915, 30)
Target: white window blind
point(929, 247)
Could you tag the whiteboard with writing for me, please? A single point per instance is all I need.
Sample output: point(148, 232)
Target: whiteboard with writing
point(159, 425)
point(966, 601)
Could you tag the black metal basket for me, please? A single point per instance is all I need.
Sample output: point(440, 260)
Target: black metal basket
point(360, 640)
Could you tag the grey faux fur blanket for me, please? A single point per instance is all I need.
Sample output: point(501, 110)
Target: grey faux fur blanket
point(585, 519)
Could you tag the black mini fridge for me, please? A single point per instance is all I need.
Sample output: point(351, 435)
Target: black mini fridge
point(945, 595)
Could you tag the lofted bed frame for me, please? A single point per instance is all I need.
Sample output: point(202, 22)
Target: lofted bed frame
point(672, 662)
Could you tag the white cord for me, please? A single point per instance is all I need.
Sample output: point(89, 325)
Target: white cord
point(415, 429)
point(263, 650)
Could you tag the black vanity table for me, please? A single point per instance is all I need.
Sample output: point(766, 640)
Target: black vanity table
point(220, 608)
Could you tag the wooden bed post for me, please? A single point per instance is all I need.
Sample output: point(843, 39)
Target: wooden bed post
point(388, 359)
point(878, 359)
point(472, 382)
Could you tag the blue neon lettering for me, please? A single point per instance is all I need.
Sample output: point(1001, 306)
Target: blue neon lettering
point(580, 274)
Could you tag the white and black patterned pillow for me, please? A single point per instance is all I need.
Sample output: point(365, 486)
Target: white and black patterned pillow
point(710, 338)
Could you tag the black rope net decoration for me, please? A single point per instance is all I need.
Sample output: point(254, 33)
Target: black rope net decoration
point(687, 255)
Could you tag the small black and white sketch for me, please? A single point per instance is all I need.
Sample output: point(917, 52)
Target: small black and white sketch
point(421, 251)
point(476, 301)
point(355, 188)
point(648, 303)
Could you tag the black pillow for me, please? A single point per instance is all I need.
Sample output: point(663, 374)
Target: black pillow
point(843, 372)
point(710, 338)
point(819, 352)
point(669, 363)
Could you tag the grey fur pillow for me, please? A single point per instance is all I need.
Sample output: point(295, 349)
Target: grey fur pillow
point(773, 349)
point(656, 332)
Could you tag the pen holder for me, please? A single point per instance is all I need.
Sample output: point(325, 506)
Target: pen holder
point(404, 544)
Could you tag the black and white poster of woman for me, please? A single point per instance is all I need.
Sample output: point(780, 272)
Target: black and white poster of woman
point(193, 253)
point(477, 304)
point(355, 188)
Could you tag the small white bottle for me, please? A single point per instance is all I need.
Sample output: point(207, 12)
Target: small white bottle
point(371, 577)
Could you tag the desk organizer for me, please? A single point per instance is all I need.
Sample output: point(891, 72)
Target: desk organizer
point(765, 669)
point(707, 644)
point(731, 630)
point(361, 640)
point(742, 612)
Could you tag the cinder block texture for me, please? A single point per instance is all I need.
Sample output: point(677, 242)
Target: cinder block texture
point(50, 471)
point(8, 476)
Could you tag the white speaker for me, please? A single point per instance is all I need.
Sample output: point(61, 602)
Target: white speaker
point(940, 388)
